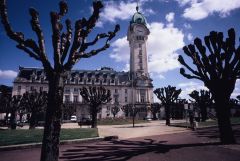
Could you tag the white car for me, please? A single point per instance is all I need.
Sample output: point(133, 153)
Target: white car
point(73, 118)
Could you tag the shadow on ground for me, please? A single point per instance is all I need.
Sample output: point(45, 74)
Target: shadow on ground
point(213, 133)
point(121, 150)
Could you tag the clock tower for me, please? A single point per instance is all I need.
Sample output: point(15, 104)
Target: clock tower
point(137, 37)
point(140, 81)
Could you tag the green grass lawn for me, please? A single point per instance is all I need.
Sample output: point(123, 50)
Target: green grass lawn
point(24, 136)
point(119, 121)
point(234, 120)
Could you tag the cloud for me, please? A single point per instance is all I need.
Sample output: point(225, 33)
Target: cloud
point(188, 87)
point(120, 10)
point(236, 91)
point(7, 74)
point(187, 26)
point(162, 45)
point(120, 50)
point(200, 9)
point(170, 16)
point(189, 36)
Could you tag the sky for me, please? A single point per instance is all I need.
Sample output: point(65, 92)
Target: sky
point(172, 24)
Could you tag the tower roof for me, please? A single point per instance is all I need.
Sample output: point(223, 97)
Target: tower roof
point(138, 18)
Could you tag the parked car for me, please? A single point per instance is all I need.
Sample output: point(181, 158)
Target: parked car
point(73, 118)
point(84, 121)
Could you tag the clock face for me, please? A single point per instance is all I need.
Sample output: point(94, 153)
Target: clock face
point(140, 30)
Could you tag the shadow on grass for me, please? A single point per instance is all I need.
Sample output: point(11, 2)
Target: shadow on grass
point(121, 150)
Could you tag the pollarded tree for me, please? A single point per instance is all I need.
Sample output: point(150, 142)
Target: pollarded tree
point(14, 106)
point(35, 103)
point(132, 110)
point(177, 110)
point(95, 97)
point(5, 99)
point(167, 95)
point(233, 103)
point(155, 108)
point(115, 109)
point(219, 68)
point(68, 48)
point(204, 100)
point(69, 109)
point(238, 97)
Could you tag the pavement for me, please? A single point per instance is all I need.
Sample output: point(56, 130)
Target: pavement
point(200, 145)
point(140, 130)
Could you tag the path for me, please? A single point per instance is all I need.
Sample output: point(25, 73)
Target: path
point(140, 130)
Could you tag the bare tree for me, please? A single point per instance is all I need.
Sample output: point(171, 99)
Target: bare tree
point(69, 109)
point(238, 97)
point(35, 103)
point(69, 47)
point(218, 68)
point(14, 107)
point(5, 99)
point(95, 97)
point(167, 95)
point(115, 109)
point(132, 110)
point(204, 100)
point(155, 108)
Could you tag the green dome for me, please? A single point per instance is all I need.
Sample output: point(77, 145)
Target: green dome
point(138, 18)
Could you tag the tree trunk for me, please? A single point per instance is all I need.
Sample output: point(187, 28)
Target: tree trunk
point(133, 119)
point(94, 120)
point(224, 123)
point(32, 122)
point(203, 109)
point(155, 116)
point(6, 118)
point(167, 113)
point(52, 126)
point(13, 122)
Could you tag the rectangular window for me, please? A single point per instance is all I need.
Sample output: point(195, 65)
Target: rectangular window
point(140, 46)
point(67, 90)
point(75, 89)
point(41, 89)
point(126, 99)
point(75, 99)
point(142, 99)
point(140, 52)
point(67, 98)
point(116, 99)
point(32, 88)
point(126, 91)
point(19, 88)
point(116, 90)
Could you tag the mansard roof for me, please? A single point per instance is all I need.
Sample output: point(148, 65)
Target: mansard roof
point(27, 74)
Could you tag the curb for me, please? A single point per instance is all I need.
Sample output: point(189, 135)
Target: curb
point(203, 127)
point(37, 145)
